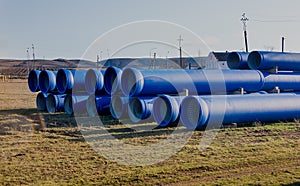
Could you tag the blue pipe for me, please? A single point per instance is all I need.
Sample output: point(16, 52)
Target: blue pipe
point(47, 81)
point(153, 82)
point(285, 81)
point(269, 60)
point(112, 80)
point(33, 80)
point(98, 105)
point(75, 104)
point(64, 81)
point(238, 60)
point(55, 103)
point(41, 101)
point(140, 109)
point(94, 81)
point(166, 110)
point(119, 107)
point(71, 81)
point(197, 111)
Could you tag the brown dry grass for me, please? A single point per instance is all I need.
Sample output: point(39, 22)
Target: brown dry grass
point(264, 155)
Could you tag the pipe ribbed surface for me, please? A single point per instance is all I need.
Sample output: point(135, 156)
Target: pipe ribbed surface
point(33, 80)
point(47, 81)
point(112, 80)
point(166, 110)
point(41, 101)
point(238, 60)
point(55, 103)
point(153, 82)
point(119, 106)
point(140, 109)
point(94, 81)
point(269, 60)
point(75, 104)
point(197, 111)
point(98, 105)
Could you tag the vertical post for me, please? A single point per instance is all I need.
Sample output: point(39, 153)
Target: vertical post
point(244, 19)
point(33, 56)
point(180, 52)
point(282, 44)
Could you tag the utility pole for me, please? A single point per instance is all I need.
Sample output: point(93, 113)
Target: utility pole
point(28, 58)
point(33, 56)
point(244, 19)
point(180, 52)
point(282, 44)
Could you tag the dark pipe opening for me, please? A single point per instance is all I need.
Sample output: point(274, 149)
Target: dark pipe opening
point(41, 102)
point(68, 104)
point(51, 103)
point(44, 81)
point(233, 60)
point(110, 80)
point(136, 108)
point(254, 60)
point(62, 81)
point(33, 81)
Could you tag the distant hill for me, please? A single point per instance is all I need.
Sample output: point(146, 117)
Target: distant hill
point(21, 67)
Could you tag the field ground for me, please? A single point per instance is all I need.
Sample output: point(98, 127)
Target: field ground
point(34, 154)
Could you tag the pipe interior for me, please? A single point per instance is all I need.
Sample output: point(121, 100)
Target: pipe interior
point(90, 81)
point(233, 60)
point(136, 108)
point(62, 81)
point(40, 102)
point(190, 112)
point(33, 81)
point(68, 104)
point(162, 111)
point(116, 107)
point(110, 80)
point(44, 81)
point(254, 60)
point(129, 82)
point(91, 106)
point(51, 103)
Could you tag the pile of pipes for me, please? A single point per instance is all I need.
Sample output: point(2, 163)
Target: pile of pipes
point(259, 87)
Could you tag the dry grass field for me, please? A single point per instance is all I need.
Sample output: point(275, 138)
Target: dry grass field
point(33, 154)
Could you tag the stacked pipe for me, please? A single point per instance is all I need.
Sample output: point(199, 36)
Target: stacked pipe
point(169, 96)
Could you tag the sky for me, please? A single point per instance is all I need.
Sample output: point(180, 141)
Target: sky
point(76, 29)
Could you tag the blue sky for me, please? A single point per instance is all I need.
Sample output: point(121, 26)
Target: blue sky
point(66, 28)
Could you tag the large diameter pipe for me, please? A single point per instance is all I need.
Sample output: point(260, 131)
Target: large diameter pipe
point(94, 81)
point(285, 81)
point(55, 103)
point(41, 101)
point(98, 105)
point(64, 81)
point(112, 80)
point(166, 110)
point(140, 109)
point(75, 104)
point(47, 81)
point(274, 60)
point(197, 111)
point(33, 80)
point(153, 82)
point(119, 107)
point(71, 81)
point(238, 60)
